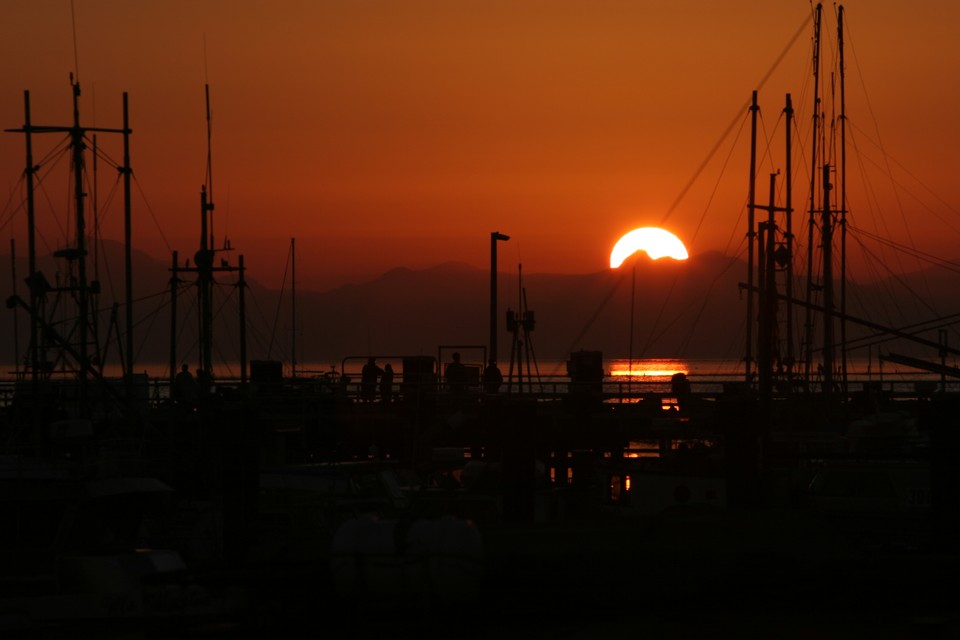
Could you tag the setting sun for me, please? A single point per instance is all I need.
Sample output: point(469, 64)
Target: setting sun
point(657, 243)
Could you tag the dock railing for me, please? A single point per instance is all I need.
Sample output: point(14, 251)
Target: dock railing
point(612, 389)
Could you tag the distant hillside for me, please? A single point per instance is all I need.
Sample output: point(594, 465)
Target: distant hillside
point(693, 309)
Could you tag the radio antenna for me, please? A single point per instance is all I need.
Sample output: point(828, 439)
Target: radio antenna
point(76, 55)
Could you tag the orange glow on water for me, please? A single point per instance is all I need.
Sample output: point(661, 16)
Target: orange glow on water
point(651, 369)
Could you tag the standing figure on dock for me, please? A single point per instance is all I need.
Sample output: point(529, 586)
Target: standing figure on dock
point(456, 375)
point(680, 387)
point(185, 388)
point(492, 378)
point(368, 380)
point(386, 384)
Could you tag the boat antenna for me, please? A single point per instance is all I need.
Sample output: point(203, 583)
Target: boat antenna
point(206, 240)
point(204, 256)
point(843, 203)
point(76, 55)
point(209, 213)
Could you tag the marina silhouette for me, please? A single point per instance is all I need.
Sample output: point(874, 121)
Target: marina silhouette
point(473, 486)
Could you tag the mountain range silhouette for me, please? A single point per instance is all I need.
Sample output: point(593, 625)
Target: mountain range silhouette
point(690, 309)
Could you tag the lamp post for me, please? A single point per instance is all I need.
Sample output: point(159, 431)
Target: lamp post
point(494, 237)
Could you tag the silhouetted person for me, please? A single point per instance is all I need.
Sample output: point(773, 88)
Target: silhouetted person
point(492, 378)
point(185, 388)
point(368, 380)
point(386, 384)
point(456, 375)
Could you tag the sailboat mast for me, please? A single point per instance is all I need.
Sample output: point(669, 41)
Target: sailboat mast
point(127, 244)
point(242, 297)
point(751, 236)
point(16, 324)
point(808, 323)
point(209, 181)
point(766, 243)
point(31, 168)
point(293, 307)
point(842, 203)
point(826, 236)
point(78, 147)
point(174, 285)
point(788, 234)
point(204, 261)
point(204, 257)
point(517, 334)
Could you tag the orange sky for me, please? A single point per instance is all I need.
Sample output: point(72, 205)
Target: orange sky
point(381, 133)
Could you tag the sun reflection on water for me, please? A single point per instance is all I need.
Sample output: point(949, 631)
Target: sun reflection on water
point(648, 368)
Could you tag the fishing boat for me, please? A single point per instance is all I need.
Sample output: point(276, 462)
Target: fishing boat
point(89, 469)
point(860, 456)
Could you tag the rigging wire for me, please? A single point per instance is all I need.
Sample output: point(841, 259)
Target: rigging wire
point(733, 122)
point(152, 213)
point(185, 327)
point(884, 155)
point(738, 118)
point(283, 288)
point(151, 320)
point(912, 329)
point(716, 186)
point(903, 187)
point(596, 313)
point(703, 306)
point(913, 251)
point(730, 239)
point(53, 159)
point(926, 188)
point(900, 279)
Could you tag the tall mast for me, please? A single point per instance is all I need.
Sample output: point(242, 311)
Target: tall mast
point(206, 269)
point(293, 309)
point(826, 234)
point(209, 180)
point(770, 260)
point(35, 293)
point(127, 245)
point(842, 204)
point(808, 324)
point(242, 284)
point(174, 285)
point(751, 235)
point(78, 147)
point(788, 236)
point(204, 257)
point(204, 261)
point(766, 240)
point(16, 324)
point(72, 343)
